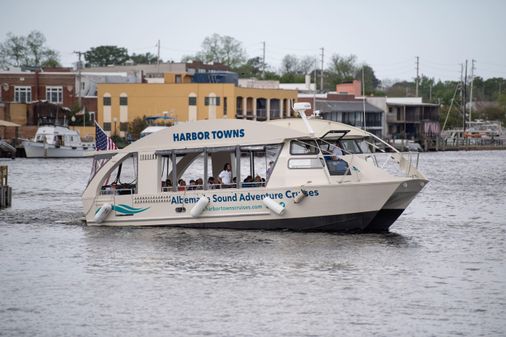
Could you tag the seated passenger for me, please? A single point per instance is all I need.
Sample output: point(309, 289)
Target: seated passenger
point(212, 183)
point(259, 181)
point(199, 184)
point(192, 185)
point(248, 182)
point(181, 185)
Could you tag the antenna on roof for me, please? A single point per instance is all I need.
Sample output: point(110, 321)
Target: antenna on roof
point(301, 108)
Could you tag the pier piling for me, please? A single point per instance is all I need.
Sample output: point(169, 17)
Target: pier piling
point(5, 190)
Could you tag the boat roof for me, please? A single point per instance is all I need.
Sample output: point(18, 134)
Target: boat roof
point(321, 127)
point(216, 133)
point(228, 133)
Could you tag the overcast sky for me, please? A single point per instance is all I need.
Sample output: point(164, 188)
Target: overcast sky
point(387, 34)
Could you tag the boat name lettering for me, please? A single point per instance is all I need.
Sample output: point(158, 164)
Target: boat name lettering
point(235, 197)
point(207, 135)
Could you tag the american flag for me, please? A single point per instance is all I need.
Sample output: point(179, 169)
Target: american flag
point(103, 141)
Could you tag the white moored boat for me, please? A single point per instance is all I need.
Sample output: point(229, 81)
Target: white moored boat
point(286, 177)
point(53, 141)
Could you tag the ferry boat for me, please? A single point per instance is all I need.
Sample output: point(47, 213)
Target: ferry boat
point(57, 141)
point(287, 175)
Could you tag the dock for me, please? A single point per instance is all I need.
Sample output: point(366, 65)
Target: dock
point(5, 190)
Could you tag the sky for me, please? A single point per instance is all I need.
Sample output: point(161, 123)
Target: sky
point(388, 34)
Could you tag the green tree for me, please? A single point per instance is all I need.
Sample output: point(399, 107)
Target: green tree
point(371, 82)
point(341, 69)
point(222, 49)
point(252, 68)
point(146, 58)
point(136, 126)
point(30, 50)
point(102, 56)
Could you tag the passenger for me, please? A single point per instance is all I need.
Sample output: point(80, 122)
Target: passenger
point(258, 181)
point(192, 185)
point(181, 185)
point(248, 182)
point(269, 169)
point(337, 152)
point(225, 176)
point(234, 181)
point(212, 183)
point(199, 184)
point(166, 185)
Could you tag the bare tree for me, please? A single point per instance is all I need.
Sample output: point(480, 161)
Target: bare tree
point(30, 50)
point(222, 49)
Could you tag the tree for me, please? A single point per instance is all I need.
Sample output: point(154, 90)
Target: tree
point(371, 83)
point(102, 56)
point(222, 49)
point(252, 68)
point(341, 69)
point(135, 128)
point(27, 50)
point(146, 58)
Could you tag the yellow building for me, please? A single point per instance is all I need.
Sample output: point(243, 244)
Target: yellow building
point(177, 97)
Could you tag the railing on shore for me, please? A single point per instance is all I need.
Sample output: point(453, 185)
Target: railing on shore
point(5, 190)
point(458, 144)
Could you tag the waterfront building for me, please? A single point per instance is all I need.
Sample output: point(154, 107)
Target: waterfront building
point(186, 97)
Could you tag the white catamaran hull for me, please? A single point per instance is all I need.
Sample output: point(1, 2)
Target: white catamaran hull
point(41, 150)
point(347, 208)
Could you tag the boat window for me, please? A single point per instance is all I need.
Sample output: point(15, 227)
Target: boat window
point(123, 178)
point(338, 167)
point(305, 163)
point(200, 169)
point(350, 146)
point(308, 146)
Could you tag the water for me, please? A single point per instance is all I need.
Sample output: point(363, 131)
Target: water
point(440, 272)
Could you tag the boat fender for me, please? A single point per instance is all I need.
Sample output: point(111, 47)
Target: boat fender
point(103, 212)
point(199, 207)
point(274, 206)
point(299, 197)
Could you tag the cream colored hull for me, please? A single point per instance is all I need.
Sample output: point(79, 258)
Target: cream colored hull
point(341, 208)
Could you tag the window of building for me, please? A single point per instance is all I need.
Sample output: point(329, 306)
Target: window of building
point(107, 126)
point(123, 100)
point(211, 101)
point(54, 94)
point(123, 126)
point(178, 79)
point(107, 100)
point(192, 100)
point(22, 94)
point(224, 106)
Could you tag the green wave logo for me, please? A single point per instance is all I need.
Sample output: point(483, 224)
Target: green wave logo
point(125, 209)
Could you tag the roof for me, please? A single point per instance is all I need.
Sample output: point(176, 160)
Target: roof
point(6, 123)
point(213, 134)
point(319, 126)
point(345, 106)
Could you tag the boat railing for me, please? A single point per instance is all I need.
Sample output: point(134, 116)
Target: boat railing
point(116, 191)
point(213, 186)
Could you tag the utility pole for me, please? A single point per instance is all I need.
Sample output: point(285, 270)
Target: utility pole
point(79, 66)
point(158, 58)
point(263, 61)
point(363, 96)
point(471, 89)
point(464, 98)
point(417, 75)
point(321, 72)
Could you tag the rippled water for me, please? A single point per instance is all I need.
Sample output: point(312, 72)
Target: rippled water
point(440, 272)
